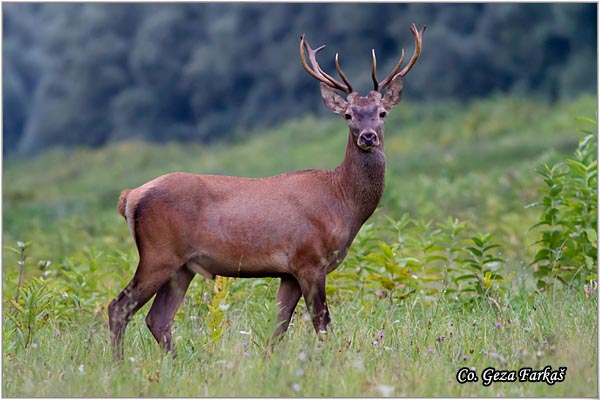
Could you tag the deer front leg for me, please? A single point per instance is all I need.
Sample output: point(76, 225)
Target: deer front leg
point(287, 298)
point(312, 284)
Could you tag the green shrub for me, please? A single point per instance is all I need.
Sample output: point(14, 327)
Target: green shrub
point(28, 312)
point(423, 259)
point(568, 246)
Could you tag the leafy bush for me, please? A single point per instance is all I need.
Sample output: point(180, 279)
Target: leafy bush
point(28, 312)
point(568, 245)
point(423, 259)
point(30, 306)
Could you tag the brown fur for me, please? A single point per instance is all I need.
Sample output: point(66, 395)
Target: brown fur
point(123, 202)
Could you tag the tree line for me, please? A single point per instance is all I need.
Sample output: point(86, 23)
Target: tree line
point(90, 73)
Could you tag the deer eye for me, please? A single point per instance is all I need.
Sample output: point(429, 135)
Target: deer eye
point(382, 114)
point(348, 116)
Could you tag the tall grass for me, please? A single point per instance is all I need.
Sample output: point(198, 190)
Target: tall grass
point(373, 350)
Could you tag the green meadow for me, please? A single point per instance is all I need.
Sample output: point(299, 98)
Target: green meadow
point(482, 254)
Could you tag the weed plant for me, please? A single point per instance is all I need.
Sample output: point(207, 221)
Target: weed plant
point(569, 218)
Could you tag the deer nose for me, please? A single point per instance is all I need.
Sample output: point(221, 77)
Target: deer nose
point(368, 139)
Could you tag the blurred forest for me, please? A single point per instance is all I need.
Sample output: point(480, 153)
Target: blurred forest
point(89, 74)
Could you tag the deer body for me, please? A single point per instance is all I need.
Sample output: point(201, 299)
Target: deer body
point(263, 227)
point(297, 226)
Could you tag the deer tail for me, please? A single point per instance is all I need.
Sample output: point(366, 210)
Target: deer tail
point(123, 202)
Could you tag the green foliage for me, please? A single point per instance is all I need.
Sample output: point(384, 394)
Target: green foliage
point(482, 264)
point(80, 281)
point(568, 247)
point(30, 307)
point(264, 321)
point(27, 314)
point(425, 260)
point(20, 250)
point(215, 318)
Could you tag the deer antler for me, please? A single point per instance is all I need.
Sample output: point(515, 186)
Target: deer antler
point(379, 86)
point(316, 71)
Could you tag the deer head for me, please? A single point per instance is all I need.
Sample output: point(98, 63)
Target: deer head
point(364, 115)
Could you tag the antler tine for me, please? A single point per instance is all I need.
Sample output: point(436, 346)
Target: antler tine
point(316, 71)
point(334, 82)
point(303, 45)
point(384, 83)
point(418, 45)
point(341, 74)
point(312, 56)
point(373, 72)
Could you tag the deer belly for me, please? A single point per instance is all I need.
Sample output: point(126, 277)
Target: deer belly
point(239, 264)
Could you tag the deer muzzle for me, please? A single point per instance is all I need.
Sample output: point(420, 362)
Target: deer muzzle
point(367, 140)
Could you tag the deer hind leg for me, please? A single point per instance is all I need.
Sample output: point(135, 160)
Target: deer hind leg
point(148, 279)
point(165, 305)
point(287, 298)
point(312, 284)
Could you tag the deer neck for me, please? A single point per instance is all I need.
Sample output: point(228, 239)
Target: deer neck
point(361, 178)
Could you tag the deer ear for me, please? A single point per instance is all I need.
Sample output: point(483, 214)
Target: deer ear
point(333, 101)
point(393, 95)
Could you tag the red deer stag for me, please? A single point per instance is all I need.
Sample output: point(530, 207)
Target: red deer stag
point(297, 226)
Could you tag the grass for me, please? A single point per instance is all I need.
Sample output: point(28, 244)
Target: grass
point(375, 348)
point(474, 162)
